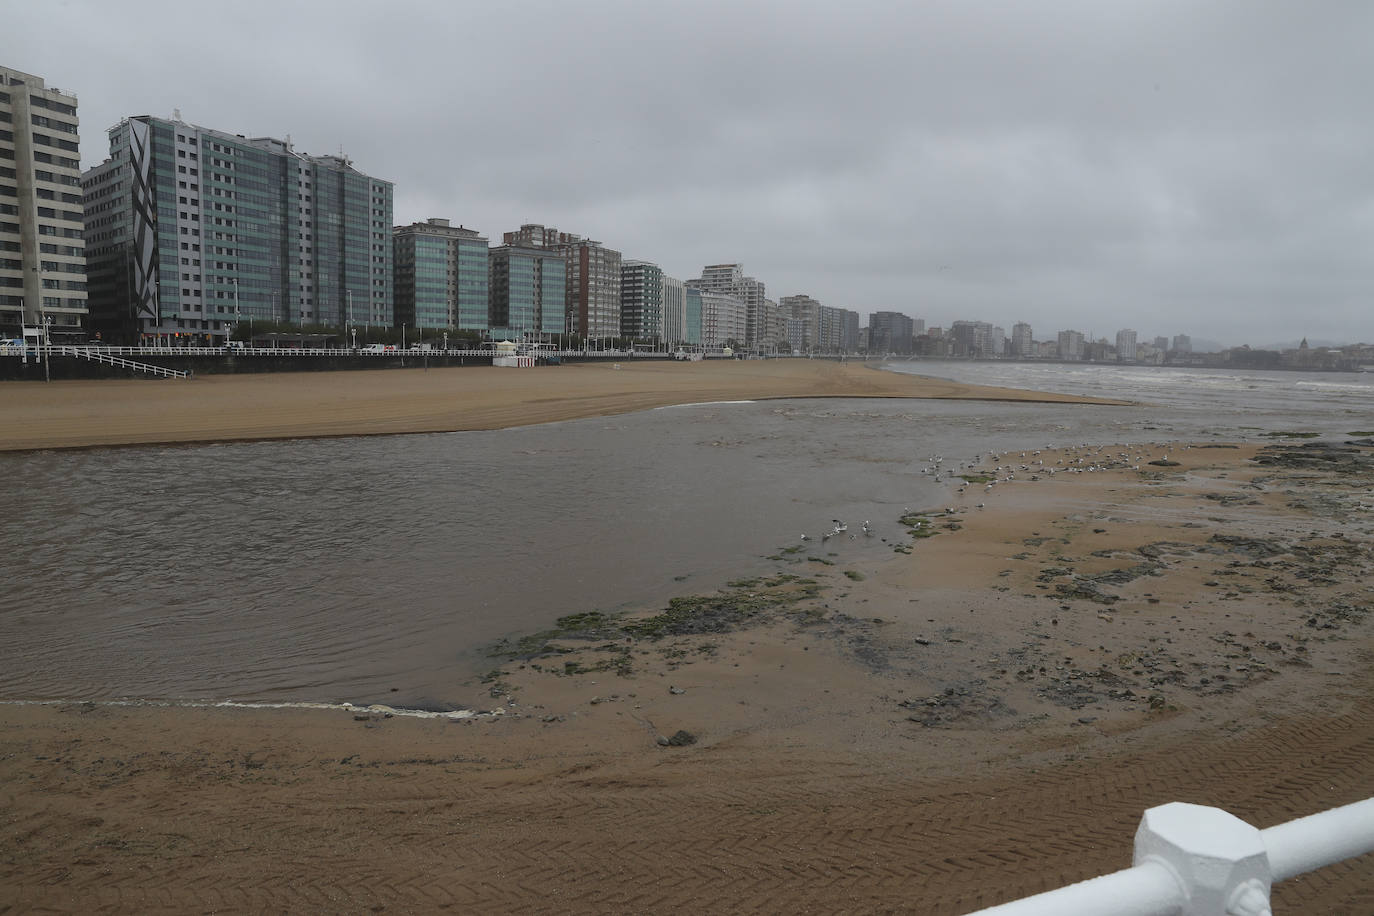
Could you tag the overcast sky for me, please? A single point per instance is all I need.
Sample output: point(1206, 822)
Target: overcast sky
point(1174, 167)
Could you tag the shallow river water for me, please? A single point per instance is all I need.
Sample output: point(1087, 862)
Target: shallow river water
point(377, 569)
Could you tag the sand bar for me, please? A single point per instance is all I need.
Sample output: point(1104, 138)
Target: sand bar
point(76, 414)
point(982, 717)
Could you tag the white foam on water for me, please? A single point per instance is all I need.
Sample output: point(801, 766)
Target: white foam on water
point(375, 708)
point(700, 404)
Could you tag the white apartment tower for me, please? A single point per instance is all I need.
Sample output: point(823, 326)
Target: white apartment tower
point(1070, 345)
point(723, 319)
point(674, 310)
point(42, 252)
point(1125, 344)
point(730, 280)
point(1022, 343)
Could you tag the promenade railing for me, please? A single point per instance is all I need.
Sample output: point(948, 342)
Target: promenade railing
point(1191, 860)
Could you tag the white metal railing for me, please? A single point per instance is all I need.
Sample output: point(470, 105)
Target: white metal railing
point(1192, 860)
point(97, 356)
point(307, 351)
point(31, 352)
point(222, 350)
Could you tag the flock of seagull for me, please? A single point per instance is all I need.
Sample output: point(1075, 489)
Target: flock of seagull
point(840, 527)
point(1074, 460)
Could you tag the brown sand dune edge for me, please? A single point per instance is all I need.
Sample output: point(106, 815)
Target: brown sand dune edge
point(980, 719)
point(84, 414)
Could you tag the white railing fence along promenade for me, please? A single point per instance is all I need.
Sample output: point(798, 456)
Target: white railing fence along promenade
point(222, 350)
point(1192, 860)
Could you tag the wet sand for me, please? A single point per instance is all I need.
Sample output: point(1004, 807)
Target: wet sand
point(981, 714)
point(77, 414)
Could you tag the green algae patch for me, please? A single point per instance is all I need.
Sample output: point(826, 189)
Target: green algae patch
point(742, 603)
point(725, 611)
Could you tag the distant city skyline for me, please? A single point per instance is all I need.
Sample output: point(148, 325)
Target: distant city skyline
point(1161, 166)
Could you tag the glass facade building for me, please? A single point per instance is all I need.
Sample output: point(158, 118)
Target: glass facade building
point(528, 292)
point(195, 231)
point(441, 276)
point(641, 300)
point(692, 330)
point(593, 293)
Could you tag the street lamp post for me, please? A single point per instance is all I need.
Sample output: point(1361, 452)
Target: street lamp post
point(355, 338)
point(47, 346)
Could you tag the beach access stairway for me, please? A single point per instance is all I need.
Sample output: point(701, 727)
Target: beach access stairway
point(1192, 860)
point(102, 355)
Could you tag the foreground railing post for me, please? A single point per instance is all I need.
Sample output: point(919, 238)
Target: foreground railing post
point(1219, 861)
point(1196, 861)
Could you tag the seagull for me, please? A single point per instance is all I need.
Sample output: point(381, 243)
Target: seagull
point(806, 537)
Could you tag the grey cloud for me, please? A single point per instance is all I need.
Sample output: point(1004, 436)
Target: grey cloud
point(1169, 166)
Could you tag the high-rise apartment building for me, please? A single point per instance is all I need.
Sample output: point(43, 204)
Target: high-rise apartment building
point(1126, 344)
point(593, 289)
point(801, 308)
point(772, 329)
point(730, 279)
point(674, 310)
point(724, 319)
point(1022, 343)
point(593, 293)
point(528, 292)
point(641, 300)
point(42, 252)
point(1182, 343)
point(978, 339)
point(831, 329)
point(441, 276)
point(691, 297)
point(849, 336)
point(192, 231)
point(803, 324)
point(1071, 345)
point(890, 332)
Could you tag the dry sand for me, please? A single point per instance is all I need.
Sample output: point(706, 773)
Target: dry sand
point(982, 717)
point(75, 414)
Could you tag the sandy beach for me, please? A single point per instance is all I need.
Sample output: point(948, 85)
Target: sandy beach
point(79, 414)
point(979, 713)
